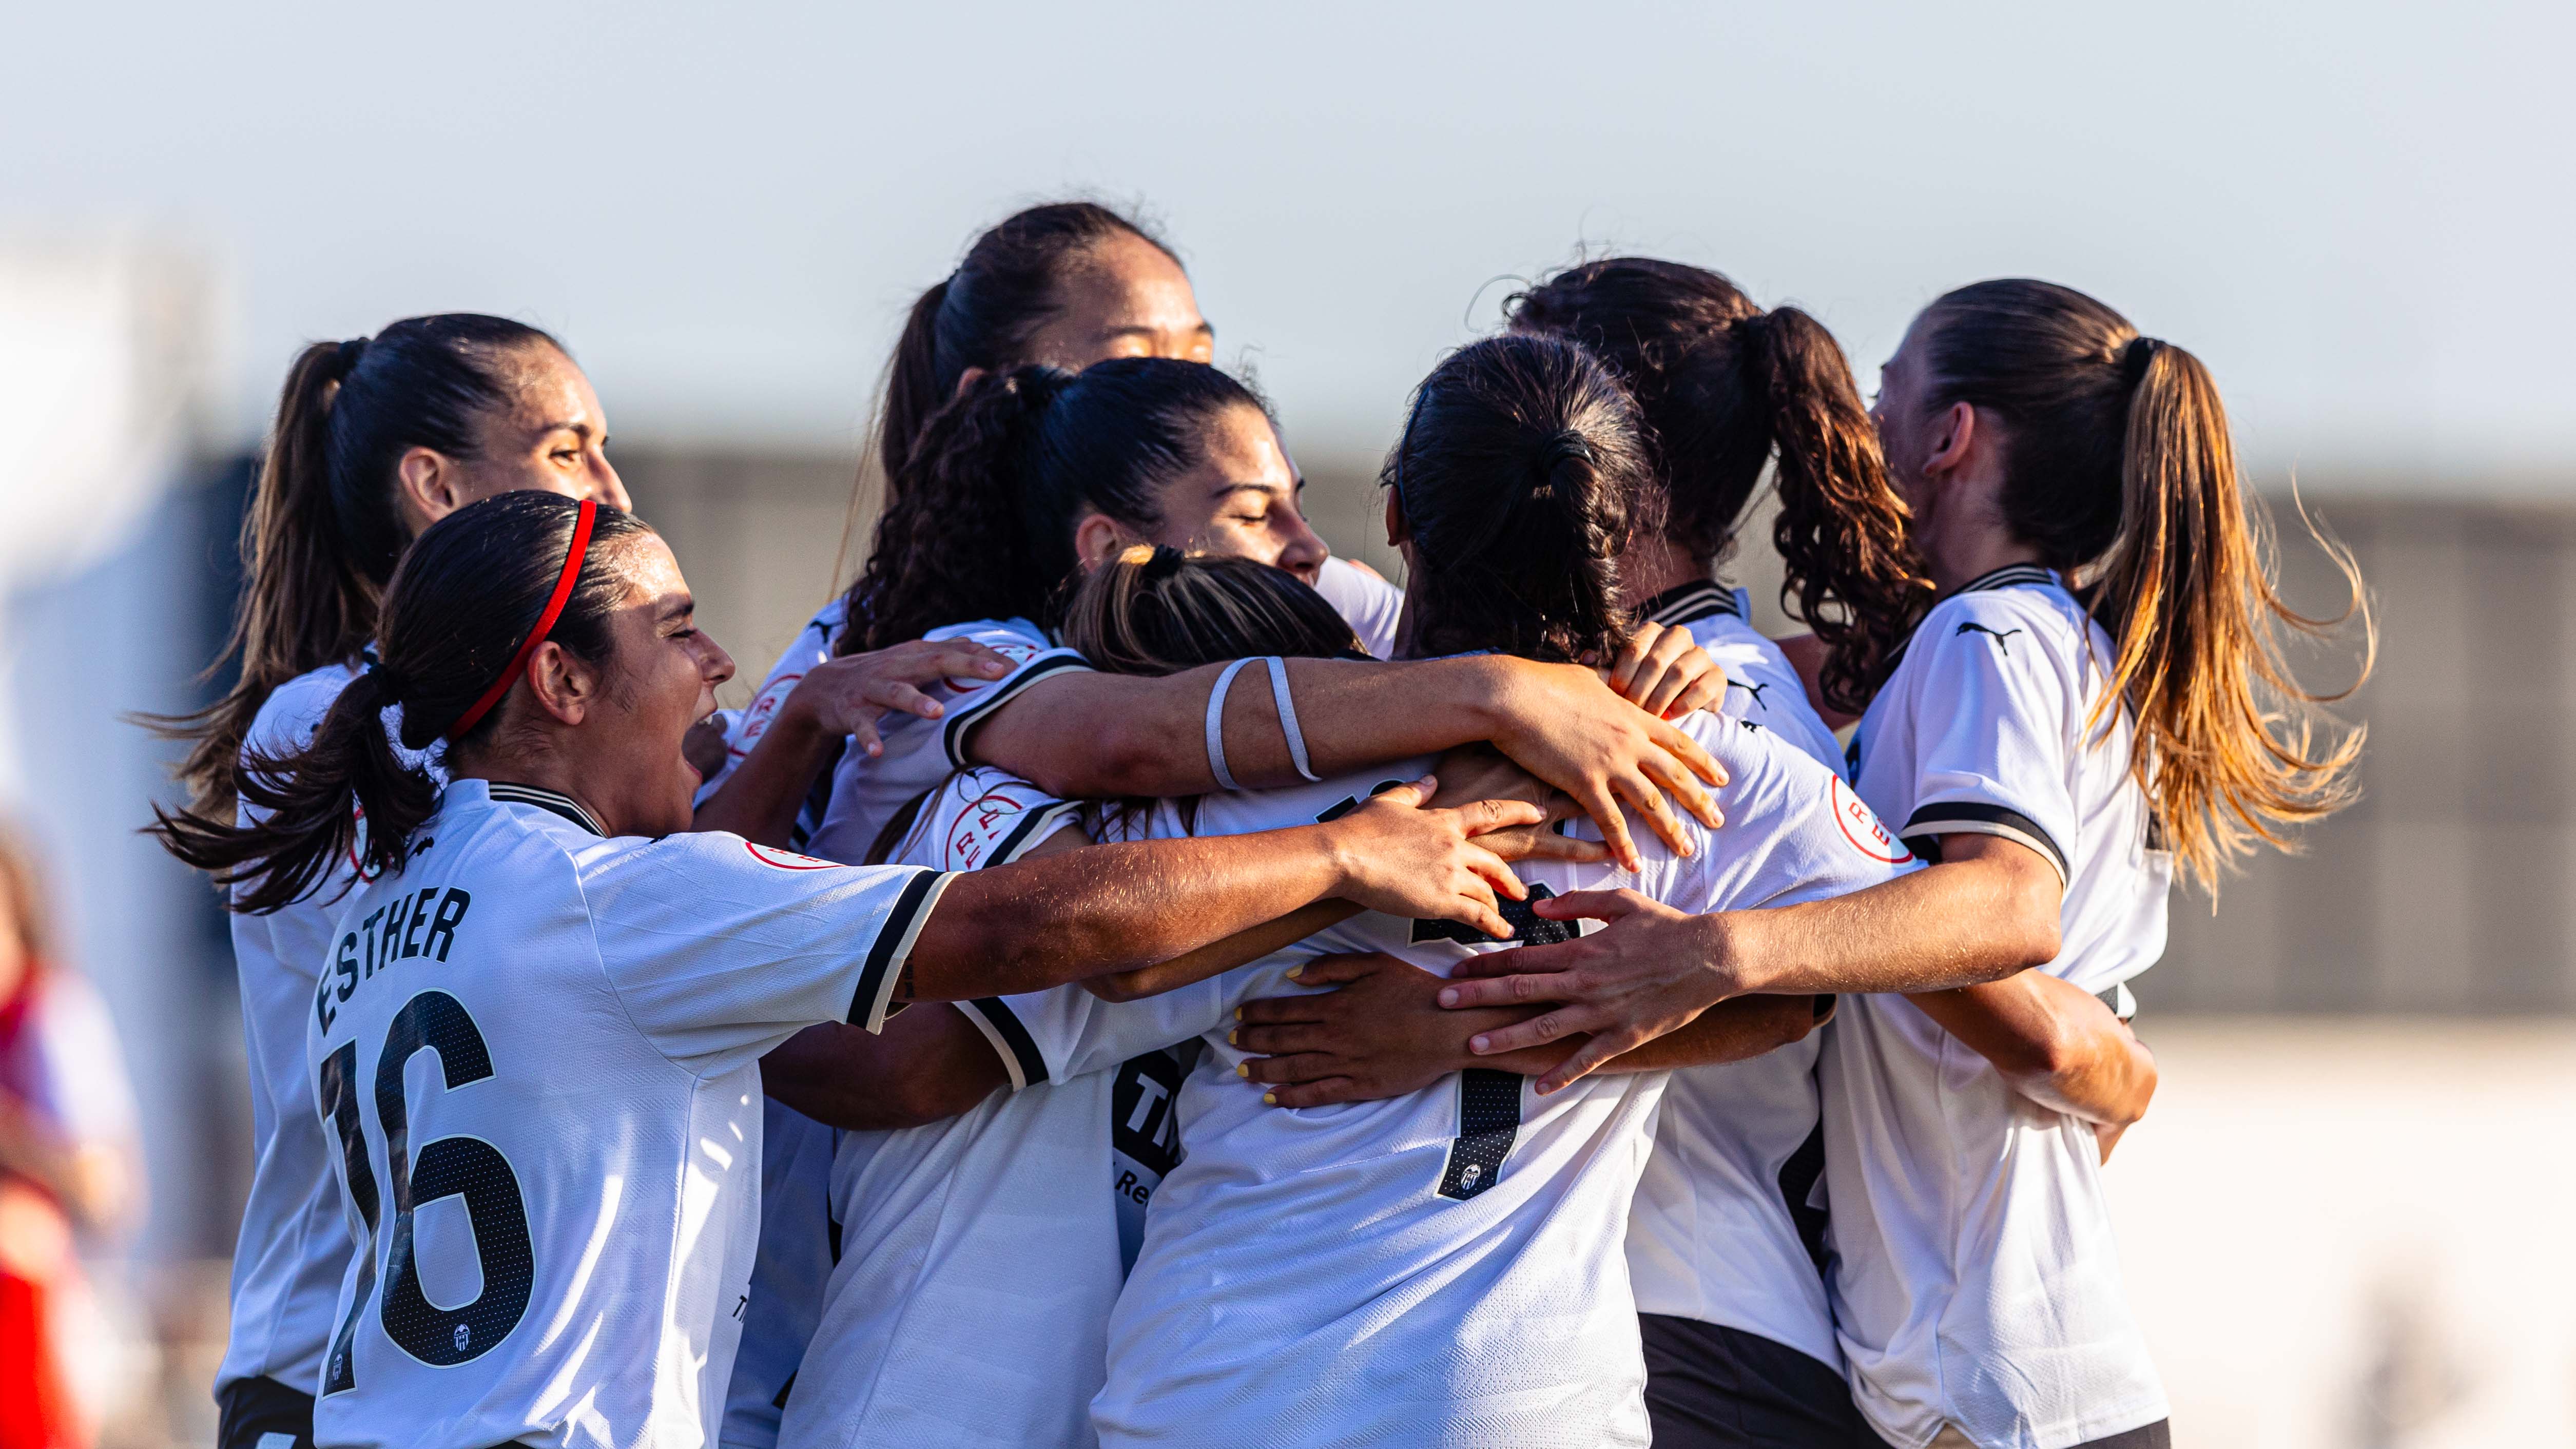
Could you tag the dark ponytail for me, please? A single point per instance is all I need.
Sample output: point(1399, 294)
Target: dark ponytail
point(2120, 469)
point(983, 314)
point(1723, 386)
point(1517, 475)
point(980, 524)
point(323, 529)
point(455, 615)
point(1842, 525)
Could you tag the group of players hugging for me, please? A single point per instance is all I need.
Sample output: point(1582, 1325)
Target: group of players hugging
point(1131, 977)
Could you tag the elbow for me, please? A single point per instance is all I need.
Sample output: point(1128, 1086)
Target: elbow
point(1122, 757)
point(1117, 986)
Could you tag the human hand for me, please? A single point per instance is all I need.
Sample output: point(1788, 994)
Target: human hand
point(1397, 855)
point(1652, 970)
point(1663, 671)
point(1562, 724)
point(849, 695)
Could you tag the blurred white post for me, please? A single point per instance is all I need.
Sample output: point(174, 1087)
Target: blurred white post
point(104, 366)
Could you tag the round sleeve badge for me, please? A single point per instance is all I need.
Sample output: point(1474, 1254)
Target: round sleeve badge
point(1860, 826)
point(785, 859)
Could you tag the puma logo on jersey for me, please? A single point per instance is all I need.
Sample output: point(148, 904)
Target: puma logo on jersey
point(1752, 688)
point(2003, 640)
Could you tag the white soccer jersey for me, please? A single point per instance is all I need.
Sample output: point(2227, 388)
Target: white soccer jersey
point(800, 1241)
point(294, 1242)
point(978, 1313)
point(1445, 1267)
point(1762, 685)
point(1977, 1283)
point(546, 1113)
point(1371, 605)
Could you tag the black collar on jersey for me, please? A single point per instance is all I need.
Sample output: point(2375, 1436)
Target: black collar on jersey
point(1689, 604)
point(553, 802)
point(2006, 577)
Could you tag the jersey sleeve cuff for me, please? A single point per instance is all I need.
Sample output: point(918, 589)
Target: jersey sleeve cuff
point(1033, 830)
point(1972, 817)
point(893, 948)
point(955, 730)
point(1010, 1038)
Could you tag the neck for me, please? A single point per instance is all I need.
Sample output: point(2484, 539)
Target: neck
point(547, 769)
point(1649, 566)
point(1961, 533)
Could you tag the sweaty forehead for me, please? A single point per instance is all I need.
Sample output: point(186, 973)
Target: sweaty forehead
point(1124, 283)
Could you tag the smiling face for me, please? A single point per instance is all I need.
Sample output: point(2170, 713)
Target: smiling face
point(1125, 298)
point(660, 679)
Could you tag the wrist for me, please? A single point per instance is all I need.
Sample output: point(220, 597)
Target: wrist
point(1733, 951)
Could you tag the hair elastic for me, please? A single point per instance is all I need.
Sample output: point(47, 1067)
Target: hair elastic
point(545, 624)
point(2139, 355)
point(1216, 724)
point(1287, 703)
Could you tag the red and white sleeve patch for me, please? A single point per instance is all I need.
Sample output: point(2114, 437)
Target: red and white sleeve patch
point(786, 859)
point(1860, 825)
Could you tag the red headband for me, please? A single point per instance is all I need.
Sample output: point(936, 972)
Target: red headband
point(545, 623)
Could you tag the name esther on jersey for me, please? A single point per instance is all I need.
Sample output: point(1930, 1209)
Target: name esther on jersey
point(415, 923)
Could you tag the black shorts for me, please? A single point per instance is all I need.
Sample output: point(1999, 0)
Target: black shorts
point(1710, 1387)
point(248, 1411)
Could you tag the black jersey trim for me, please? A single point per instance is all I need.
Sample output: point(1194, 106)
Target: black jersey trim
point(551, 801)
point(953, 734)
point(893, 947)
point(1033, 830)
point(1010, 1038)
point(2009, 576)
point(1691, 603)
point(1971, 817)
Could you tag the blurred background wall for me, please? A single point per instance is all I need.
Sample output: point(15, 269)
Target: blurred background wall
point(2343, 1222)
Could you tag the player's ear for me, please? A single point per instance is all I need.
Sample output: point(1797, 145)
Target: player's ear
point(1955, 438)
point(563, 686)
point(1097, 539)
point(428, 486)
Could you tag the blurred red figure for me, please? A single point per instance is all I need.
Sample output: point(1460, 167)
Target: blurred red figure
point(66, 1128)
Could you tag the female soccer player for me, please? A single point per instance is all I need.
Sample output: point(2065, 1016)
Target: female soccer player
point(375, 439)
point(1724, 389)
point(1065, 285)
point(1003, 492)
point(1365, 1274)
point(594, 989)
point(2097, 696)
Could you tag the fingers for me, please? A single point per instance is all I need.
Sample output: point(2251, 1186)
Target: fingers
point(1299, 1067)
point(1667, 772)
point(1548, 845)
point(1649, 801)
point(863, 733)
point(1708, 691)
point(1490, 868)
point(894, 694)
point(924, 661)
point(1672, 663)
point(1522, 989)
point(1690, 669)
point(1687, 750)
point(1484, 815)
point(1539, 1030)
point(1412, 795)
point(1603, 807)
point(1587, 1059)
point(1590, 905)
point(1633, 656)
point(1279, 1041)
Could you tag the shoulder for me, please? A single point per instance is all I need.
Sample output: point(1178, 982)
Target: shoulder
point(2008, 620)
point(1014, 638)
point(294, 710)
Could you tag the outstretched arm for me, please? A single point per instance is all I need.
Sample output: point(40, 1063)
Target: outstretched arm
point(1096, 735)
point(1382, 1033)
point(2057, 1044)
point(1042, 922)
point(1990, 909)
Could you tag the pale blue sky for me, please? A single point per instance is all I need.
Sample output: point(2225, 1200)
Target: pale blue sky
point(2357, 213)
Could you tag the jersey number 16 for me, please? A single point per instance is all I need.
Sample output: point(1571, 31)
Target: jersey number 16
point(450, 1166)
